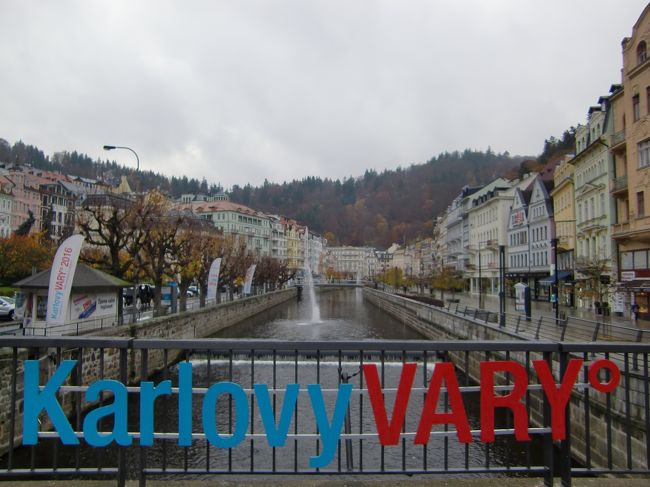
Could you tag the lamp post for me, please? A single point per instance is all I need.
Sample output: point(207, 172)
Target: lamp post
point(112, 147)
point(556, 284)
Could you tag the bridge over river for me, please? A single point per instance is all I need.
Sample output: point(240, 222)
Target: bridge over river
point(298, 387)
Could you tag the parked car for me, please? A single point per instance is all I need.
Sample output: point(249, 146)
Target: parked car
point(194, 290)
point(7, 308)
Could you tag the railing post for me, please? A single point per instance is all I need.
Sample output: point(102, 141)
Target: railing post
point(565, 444)
point(518, 322)
point(349, 463)
point(144, 374)
point(121, 452)
point(564, 327)
point(594, 337)
point(539, 325)
point(548, 440)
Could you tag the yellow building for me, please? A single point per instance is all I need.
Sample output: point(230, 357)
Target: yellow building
point(630, 145)
point(564, 216)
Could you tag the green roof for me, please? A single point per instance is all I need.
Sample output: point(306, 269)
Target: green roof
point(84, 277)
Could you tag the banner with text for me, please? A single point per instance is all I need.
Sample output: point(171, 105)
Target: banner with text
point(213, 279)
point(61, 276)
point(249, 279)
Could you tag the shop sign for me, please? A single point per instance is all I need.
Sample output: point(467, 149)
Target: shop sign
point(627, 276)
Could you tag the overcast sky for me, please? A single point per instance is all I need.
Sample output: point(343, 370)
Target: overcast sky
point(239, 91)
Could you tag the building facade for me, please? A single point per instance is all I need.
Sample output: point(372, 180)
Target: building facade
point(593, 165)
point(6, 206)
point(564, 215)
point(630, 145)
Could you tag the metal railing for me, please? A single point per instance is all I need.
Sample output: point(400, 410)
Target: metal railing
point(542, 327)
point(604, 433)
point(618, 184)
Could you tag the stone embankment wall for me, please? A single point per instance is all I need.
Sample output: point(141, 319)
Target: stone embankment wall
point(96, 363)
point(439, 325)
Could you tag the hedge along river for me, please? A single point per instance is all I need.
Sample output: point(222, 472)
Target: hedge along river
point(343, 316)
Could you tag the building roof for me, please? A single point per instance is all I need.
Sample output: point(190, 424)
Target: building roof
point(84, 277)
point(210, 206)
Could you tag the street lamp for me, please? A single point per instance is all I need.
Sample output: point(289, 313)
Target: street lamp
point(111, 147)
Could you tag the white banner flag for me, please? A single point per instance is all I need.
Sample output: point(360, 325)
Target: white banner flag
point(64, 266)
point(249, 279)
point(213, 279)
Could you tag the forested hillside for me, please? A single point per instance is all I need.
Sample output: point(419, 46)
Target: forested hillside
point(379, 208)
point(77, 164)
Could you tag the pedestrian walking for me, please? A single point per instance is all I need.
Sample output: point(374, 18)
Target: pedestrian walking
point(635, 312)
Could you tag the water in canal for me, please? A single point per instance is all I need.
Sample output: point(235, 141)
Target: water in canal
point(343, 316)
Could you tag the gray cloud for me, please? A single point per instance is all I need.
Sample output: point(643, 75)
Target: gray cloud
point(240, 91)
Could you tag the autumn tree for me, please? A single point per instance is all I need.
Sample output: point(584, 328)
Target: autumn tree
point(111, 227)
point(236, 260)
point(198, 243)
point(596, 271)
point(447, 279)
point(159, 226)
point(20, 254)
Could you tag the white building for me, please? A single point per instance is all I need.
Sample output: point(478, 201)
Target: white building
point(278, 238)
point(457, 222)
point(488, 217)
point(6, 206)
point(314, 245)
point(352, 262)
point(489, 220)
point(594, 207)
point(541, 230)
point(247, 225)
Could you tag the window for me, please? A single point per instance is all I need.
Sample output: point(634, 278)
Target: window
point(647, 98)
point(644, 153)
point(602, 204)
point(641, 259)
point(636, 111)
point(641, 54)
point(640, 204)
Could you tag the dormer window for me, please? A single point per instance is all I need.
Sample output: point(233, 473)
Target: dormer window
point(641, 53)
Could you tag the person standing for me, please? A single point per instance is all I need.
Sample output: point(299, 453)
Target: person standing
point(635, 312)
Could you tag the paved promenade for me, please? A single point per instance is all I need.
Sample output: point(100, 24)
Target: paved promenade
point(491, 303)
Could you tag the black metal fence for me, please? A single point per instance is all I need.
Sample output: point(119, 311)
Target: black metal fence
point(604, 432)
point(543, 327)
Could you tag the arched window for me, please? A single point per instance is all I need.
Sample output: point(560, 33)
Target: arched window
point(641, 54)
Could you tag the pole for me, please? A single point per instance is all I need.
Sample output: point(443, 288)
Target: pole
point(556, 283)
point(502, 286)
point(480, 282)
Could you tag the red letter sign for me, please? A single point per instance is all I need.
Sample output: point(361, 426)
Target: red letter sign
point(389, 435)
point(457, 416)
point(490, 401)
point(558, 398)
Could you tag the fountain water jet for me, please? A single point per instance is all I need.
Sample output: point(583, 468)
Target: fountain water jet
point(309, 283)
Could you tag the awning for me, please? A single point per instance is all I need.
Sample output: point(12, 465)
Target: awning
point(550, 280)
point(635, 285)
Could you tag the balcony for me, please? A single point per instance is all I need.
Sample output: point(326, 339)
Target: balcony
point(592, 224)
point(617, 140)
point(618, 186)
point(637, 227)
